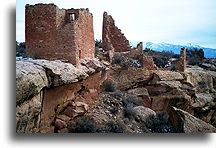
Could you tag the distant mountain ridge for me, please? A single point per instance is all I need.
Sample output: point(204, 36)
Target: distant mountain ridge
point(208, 52)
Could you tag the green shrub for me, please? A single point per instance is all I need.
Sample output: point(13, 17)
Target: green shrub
point(109, 86)
point(118, 94)
point(159, 124)
point(20, 49)
point(98, 43)
point(194, 61)
point(174, 68)
point(128, 111)
point(114, 126)
point(114, 110)
point(84, 124)
point(118, 58)
point(125, 65)
point(195, 56)
point(129, 102)
point(160, 61)
point(131, 99)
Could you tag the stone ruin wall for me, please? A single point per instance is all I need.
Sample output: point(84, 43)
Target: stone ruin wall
point(114, 41)
point(182, 60)
point(112, 37)
point(145, 61)
point(140, 46)
point(53, 33)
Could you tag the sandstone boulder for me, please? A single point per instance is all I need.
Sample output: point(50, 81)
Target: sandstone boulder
point(203, 81)
point(142, 113)
point(165, 93)
point(87, 70)
point(76, 109)
point(28, 116)
point(93, 63)
point(60, 73)
point(130, 78)
point(60, 124)
point(142, 93)
point(34, 75)
point(160, 75)
point(202, 100)
point(139, 92)
point(185, 122)
point(30, 79)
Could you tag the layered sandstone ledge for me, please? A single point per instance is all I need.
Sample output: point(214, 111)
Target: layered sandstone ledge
point(49, 93)
point(35, 77)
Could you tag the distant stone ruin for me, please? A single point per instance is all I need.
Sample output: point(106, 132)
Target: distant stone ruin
point(182, 60)
point(140, 46)
point(113, 41)
point(64, 34)
point(112, 38)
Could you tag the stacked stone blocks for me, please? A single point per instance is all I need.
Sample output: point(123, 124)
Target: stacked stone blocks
point(64, 34)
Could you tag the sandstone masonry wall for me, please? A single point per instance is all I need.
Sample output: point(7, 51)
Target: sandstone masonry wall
point(112, 37)
point(182, 61)
point(53, 33)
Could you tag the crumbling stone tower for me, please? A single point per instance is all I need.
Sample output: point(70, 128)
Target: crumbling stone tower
point(64, 34)
point(182, 60)
point(140, 46)
point(112, 38)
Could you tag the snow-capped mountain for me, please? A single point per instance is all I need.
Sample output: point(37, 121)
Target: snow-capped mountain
point(208, 52)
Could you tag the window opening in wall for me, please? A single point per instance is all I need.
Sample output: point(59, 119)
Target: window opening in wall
point(79, 54)
point(72, 17)
point(64, 46)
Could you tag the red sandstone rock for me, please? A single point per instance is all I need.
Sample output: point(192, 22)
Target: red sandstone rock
point(60, 124)
point(70, 112)
point(64, 34)
point(63, 117)
point(143, 94)
point(130, 78)
point(81, 107)
point(64, 130)
point(185, 122)
point(78, 108)
point(93, 63)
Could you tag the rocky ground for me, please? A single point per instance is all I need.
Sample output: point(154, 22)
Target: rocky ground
point(99, 97)
point(138, 101)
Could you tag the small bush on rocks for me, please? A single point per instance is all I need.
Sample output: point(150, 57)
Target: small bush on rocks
point(160, 61)
point(129, 102)
point(159, 124)
point(131, 99)
point(109, 86)
point(118, 94)
point(114, 126)
point(118, 59)
point(173, 68)
point(84, 124)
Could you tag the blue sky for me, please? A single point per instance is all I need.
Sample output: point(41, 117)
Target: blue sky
point(171, 21)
